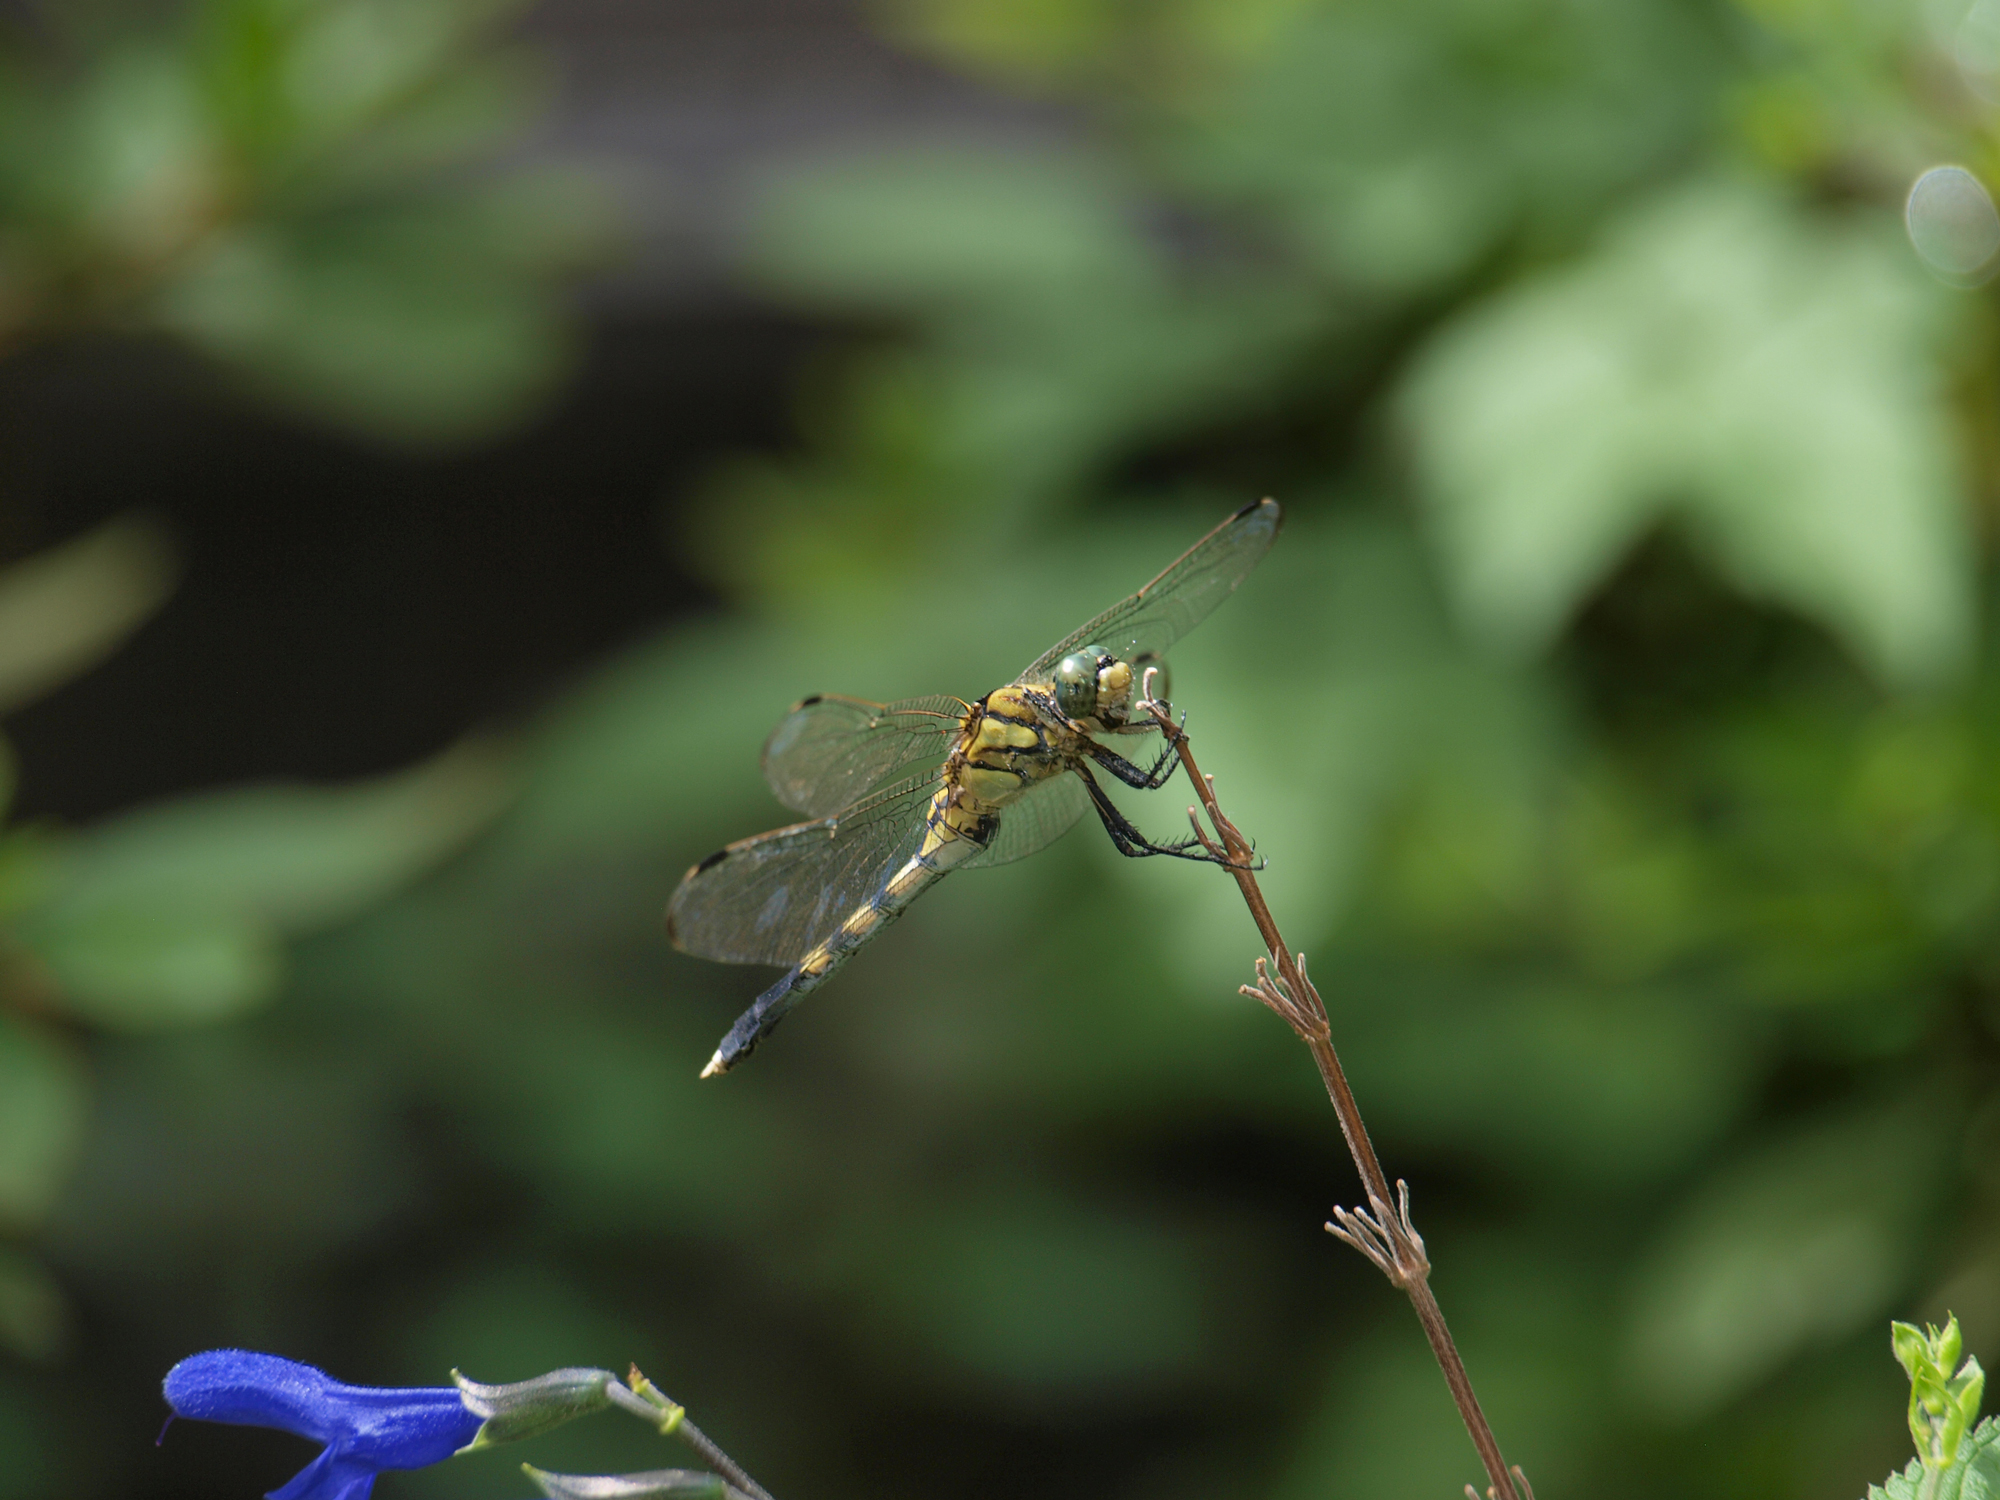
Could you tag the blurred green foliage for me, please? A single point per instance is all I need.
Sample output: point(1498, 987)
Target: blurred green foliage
point(1618, 711)
point(301, 190)
point(306, 193)
point(168, 917)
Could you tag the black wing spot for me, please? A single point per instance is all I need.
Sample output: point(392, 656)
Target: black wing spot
point(808, 702)
point(710, 863)
point(1253, 507)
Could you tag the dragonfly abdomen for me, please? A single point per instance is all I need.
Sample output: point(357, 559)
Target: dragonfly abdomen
point(949, 841)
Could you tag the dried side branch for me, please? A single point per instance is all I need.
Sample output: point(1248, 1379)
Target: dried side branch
point(1527, 1490)
point(1397, 1252)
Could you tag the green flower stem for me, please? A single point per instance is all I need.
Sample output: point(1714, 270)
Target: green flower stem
point(649, 1403)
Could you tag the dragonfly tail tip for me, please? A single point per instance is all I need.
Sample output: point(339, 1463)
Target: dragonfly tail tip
point(717, 1066)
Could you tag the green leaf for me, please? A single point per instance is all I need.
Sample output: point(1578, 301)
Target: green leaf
point(44, 1106)
point(346, 65)
point(297, 857)
point(1058, 337)
point(1767, 380)
point(134, 173)
point(176, 915)
point(66, 609)
point(1976, 1476)
point(402, 328)
point(134, 966)
point(954, 231)
point(28, 858)
point(309, 92)
point(1395, 143)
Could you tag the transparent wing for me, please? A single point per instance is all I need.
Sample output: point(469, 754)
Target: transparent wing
point(829, 752)
point(774, 898)
point(1180, 598)
point(1042, 815)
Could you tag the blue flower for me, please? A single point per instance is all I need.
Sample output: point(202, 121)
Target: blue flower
point(366, 1429)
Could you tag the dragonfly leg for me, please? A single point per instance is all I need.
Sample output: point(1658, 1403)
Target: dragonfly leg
point(1149, 780)
point(1125, 834)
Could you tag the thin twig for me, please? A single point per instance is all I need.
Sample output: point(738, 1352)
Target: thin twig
point(1385, 1236)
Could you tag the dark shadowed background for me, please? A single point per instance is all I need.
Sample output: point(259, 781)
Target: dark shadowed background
point(438, 440)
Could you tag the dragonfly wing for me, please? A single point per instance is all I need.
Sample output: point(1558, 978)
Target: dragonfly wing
point(1180, 598)
point(830, 752)
point(1037, 819)
point(772, 899)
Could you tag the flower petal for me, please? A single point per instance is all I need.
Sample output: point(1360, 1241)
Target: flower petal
point(365, 1428)
point(328, 1478)
point(253, 1390)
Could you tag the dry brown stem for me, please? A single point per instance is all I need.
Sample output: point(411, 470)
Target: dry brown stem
point(1382, 1233)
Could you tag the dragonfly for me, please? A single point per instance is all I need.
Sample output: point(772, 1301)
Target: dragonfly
point(898, 795)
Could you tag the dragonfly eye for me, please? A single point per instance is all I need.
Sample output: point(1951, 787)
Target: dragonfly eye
point(1076, 682)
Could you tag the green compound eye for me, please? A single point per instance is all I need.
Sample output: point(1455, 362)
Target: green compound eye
point(1076, 682)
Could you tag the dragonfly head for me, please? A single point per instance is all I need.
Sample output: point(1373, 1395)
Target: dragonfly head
point(1091, 683)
